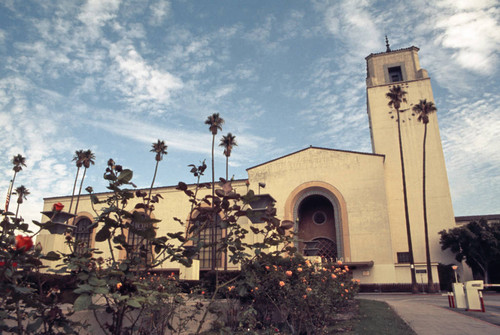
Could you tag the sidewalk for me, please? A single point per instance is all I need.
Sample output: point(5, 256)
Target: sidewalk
point(430, 314)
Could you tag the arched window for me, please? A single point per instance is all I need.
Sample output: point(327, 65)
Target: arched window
point(82, 234)
point(139, 245)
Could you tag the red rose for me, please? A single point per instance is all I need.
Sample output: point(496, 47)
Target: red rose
point(58, 207)
point(24, 242)
point(2, 263)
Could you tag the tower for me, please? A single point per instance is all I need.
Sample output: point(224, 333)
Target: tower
point(402, 67)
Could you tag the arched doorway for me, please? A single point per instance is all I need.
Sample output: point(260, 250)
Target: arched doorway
point(316, 227)
point(335, 198)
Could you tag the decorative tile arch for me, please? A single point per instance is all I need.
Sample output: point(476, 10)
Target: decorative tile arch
point(340, 210)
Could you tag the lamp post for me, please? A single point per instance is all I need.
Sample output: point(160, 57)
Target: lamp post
point(455, 267)
point(262, 185)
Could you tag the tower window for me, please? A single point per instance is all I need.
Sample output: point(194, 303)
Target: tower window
point(395, 74)
point(403, 257)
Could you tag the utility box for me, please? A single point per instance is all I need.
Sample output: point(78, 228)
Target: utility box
point(472, 288)
point(458, 292)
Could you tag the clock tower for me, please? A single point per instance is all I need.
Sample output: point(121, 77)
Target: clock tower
point(385, 70)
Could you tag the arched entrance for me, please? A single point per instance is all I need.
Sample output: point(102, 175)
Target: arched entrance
point(330, 228)
point(316, 227)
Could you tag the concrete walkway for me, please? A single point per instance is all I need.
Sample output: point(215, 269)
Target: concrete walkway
point(430, 314)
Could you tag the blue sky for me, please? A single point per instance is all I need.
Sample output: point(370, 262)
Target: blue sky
point(114, 76)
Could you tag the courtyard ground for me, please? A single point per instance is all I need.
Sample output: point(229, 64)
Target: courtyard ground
point(430, 314)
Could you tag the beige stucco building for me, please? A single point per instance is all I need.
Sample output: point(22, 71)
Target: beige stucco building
point(350, 203)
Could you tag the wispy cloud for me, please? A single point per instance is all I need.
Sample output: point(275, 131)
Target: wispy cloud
point(159, 11)
point(95, 14)
point(138, 81)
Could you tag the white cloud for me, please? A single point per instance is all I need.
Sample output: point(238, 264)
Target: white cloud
point(470, 133)
point(137, 80)
point(475, 38)
point(466, 4)
point(96, 13)
point(159, 10)
point(352, 23)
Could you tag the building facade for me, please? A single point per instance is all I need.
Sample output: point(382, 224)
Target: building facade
point(349, 203)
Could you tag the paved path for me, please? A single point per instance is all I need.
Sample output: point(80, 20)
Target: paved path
point(430, 314)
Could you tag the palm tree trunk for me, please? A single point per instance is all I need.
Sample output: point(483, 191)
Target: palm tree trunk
point(430, 282)
point(80, 191)
point(74, 187)
point(17, 210)
point(152, 183)
point(225, 251)
point(213, 228)
point(414, 286)
point(9, 193)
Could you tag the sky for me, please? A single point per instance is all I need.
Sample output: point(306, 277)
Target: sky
point(115, 76)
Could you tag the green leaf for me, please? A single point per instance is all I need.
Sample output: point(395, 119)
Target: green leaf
point(100, 290)
point(120, 239)
point(83, 276)
point(123, 266)
point(158, 249)
point(96, 281)
point(51, 256)
point(125, 176)
point(94, 198)
point(84, 288)
point(33, 327)
point(82, 302)
point(133, 303)
point(181, 186)
point(102, 235)
point(24, 289)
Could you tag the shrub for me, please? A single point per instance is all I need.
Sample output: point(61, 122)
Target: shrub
point(295, 295)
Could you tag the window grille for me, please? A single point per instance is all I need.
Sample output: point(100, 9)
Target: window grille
point(140, 247)
point(327, 249)
point(82, 234)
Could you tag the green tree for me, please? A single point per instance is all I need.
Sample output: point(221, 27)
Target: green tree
point(228, 142)
point(478, 243)
point(214, 123)
point(22, 193)
point(87, 159)
point(396, 96)
point(78, 158)
point(423, 109)
point(18, 161)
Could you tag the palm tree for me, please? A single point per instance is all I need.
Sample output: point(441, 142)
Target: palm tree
point(87, 159)
point(78, 158)
point(160, 148)
point(18, 161)
point(214, 123)
point(228, 142)
point(424, 108)
point(21, 193)
point(396, 96)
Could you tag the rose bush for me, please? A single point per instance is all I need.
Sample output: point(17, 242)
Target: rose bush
point(27, 304)
point(296, 295)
